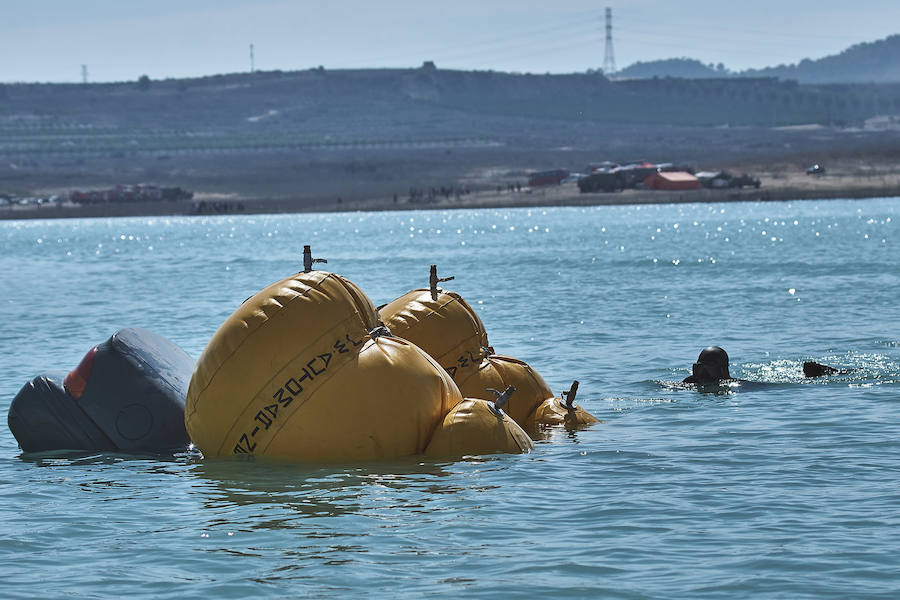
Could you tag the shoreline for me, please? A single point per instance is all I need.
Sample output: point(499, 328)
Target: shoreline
point(564, 195)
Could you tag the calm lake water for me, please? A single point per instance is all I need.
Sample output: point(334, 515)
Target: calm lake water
point(790, 490)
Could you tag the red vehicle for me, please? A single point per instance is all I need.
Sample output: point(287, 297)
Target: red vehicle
point(553, 177)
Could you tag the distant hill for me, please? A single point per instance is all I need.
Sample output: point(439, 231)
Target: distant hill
point(869, 62)
point(362, 133)
point(686, 68)
point(320, 109)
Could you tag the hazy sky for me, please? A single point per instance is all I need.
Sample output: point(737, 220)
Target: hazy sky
point(49, 40)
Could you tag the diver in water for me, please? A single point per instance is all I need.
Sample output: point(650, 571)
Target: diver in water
point(712, 367)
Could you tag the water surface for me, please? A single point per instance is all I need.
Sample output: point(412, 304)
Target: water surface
point(782, 491)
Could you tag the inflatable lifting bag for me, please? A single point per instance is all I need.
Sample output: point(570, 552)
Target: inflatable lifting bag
point(532, 403)
point(449, 329)
point(475, 427)
point(294, 374)
point(445, 327)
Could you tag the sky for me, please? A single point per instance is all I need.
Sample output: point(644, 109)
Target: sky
point(120, 40)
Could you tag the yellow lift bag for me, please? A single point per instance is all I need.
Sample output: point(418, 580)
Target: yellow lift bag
point(533, 402)
point(475, 427)
point(296, 374)
point(444, 325)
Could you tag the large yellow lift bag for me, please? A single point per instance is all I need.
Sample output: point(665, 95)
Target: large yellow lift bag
point(447, 328)
point(294, 374)
point(316, 319)
point(384, 402)
point(474, 427)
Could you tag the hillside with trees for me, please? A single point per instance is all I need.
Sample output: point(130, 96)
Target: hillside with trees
point(869, 62)
point(382, 131)
point(323, 107)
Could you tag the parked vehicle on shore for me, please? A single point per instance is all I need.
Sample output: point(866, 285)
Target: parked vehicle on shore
point(815, 170)
point(572, 178)
point(602, 181)
point(604, 166)
point(739, 181)
point(130, 193)
point(724, 179)
point(554, 177)
point(632, 175)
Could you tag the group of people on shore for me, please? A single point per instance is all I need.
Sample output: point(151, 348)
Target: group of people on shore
point(218, 207)
point(433, 194)
point(510, 187)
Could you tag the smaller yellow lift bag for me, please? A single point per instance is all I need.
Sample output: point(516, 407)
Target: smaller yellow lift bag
point(445, 327)
point(450, 330)
point(475, 427)
point(532, 403)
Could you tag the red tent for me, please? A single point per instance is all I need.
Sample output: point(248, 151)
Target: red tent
point(673, 180)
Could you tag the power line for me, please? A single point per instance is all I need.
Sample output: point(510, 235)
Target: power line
point(652, 40)
point(528, 50)
point(579, 30)
point(671, 21)
point(731, 36)
point(504, 41)
point(516, 48)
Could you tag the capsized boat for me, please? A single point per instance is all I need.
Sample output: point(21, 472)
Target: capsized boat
point(127, 395)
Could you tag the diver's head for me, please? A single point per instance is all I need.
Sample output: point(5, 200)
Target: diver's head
point(711, 365)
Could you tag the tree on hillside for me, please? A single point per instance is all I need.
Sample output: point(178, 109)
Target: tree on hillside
point(143, 82)
point(687, 68)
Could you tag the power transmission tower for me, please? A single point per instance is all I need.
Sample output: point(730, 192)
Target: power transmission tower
point(83, 73)
point(252, 66)
point(609, 57)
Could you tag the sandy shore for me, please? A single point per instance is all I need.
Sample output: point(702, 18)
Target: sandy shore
point(774, 188)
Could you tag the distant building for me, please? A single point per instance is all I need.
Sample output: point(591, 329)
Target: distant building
point(671, 180)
